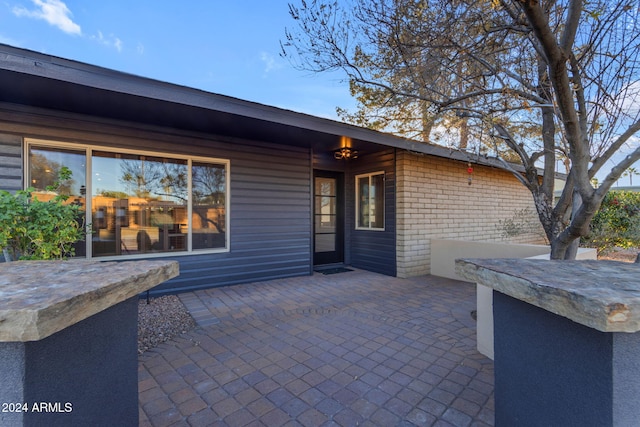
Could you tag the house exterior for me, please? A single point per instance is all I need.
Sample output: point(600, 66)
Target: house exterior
point(236, 191)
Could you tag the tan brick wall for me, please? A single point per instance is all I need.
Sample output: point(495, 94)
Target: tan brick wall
point(435, 201)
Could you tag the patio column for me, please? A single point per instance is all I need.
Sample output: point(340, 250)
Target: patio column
point(567, 340)
point(68, 340)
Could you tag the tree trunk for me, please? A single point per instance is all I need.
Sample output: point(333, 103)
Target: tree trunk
point(548, 130)
point(426, 120)
point(582, 212)
point(464, 133)
point(559, 249)
point(546, 215)
point(572, 248)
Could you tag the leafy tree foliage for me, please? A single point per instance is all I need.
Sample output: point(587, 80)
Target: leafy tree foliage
point(541, 81)
point(34, 229)
point(617, 222)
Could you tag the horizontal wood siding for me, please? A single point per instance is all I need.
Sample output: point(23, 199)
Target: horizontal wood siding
point(10, 162)
point(373, 250)
point(270, 222)
point(270, 185)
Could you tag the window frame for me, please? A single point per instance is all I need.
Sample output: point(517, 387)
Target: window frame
point(88, 149)
point(370, 176)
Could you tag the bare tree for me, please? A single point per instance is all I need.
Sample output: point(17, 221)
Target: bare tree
point(549, 79)
point(154, 178)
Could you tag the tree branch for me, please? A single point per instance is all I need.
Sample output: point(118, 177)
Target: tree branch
point(613, 148)
point(571, 24)
point(558, 74)
point(617, 171)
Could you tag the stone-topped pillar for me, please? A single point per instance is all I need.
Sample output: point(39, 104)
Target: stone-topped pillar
point(567, 340)
point(68, 340)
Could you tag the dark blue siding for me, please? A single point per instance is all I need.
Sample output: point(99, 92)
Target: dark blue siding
point(373, 250)
point(270, 200)
point(270, 223)
point(10, 162)
point(270, 218)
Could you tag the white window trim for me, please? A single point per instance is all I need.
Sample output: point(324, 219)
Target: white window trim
point(88, 149)
point(357, 201)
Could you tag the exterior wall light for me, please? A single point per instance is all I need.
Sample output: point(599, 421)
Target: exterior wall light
point(345, 153)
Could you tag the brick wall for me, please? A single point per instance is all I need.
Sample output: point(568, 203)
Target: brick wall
point(435, 201)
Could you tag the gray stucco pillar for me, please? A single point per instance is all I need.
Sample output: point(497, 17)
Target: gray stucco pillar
point(86, 374)
point(68, 341)
point(566, 340)
point(550, 370)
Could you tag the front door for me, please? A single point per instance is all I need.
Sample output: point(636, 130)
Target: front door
point(328, 218)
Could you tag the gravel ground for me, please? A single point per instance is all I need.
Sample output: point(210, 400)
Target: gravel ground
point(160, 320)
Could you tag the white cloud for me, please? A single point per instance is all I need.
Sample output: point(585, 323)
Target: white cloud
point(110, 41)
point(140, 49)
point(270, 62)
point(55, 12)
point(630, 103)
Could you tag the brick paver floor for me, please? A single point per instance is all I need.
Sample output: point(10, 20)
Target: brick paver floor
point(349, 349)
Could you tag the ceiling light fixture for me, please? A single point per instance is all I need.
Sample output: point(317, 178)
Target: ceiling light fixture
point(345, 153)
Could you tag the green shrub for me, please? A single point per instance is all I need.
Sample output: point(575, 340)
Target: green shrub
point(617, 222)
point(34, 229)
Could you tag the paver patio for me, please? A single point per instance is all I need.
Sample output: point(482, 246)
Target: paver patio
point(354, 348)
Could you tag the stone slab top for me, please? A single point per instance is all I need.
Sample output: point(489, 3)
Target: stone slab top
point(603, 295)
point(40, 298)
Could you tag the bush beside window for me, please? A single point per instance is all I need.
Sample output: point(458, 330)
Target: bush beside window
point(34, 229)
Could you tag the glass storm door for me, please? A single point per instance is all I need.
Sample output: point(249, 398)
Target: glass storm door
point(328, 218)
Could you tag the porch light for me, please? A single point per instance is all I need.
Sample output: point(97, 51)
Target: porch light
point(345, 153)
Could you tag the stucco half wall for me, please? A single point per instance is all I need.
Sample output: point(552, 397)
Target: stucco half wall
point(435, 201)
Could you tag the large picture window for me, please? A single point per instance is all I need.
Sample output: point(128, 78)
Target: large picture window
point(370, 201)
point(141, 204)
point(44, 168)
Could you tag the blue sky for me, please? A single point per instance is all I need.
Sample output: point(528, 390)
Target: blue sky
point(221, 46)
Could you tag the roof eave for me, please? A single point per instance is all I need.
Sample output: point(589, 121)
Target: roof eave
point(30, 63)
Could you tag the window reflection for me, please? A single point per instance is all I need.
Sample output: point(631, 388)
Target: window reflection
point(377, 201)
point(139, 204)
point(364, 199)
point(44, 167)
point(370, 202)
point(209, 210)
